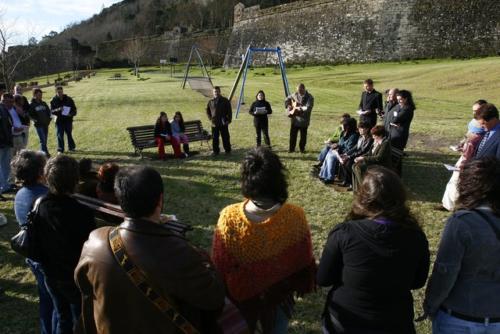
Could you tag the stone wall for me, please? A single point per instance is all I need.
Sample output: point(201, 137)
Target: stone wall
point(49, 59)
point(213, 48)
point(343, 31)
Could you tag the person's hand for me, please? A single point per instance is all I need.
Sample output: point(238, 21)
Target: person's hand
point(359, 159)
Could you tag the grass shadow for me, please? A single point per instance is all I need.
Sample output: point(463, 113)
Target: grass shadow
point(425, 176)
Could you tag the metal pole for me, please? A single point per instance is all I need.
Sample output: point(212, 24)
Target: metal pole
point(240, 72)
point(203, 68)
point(283, 73)
point(242, 92)
point(187, 68)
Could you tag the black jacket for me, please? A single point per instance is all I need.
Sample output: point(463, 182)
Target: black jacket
point(370, 102)
point(56, 107)
point(364, 147)
point(62, 228)
point(39, 113)
point(162, 130)
point(401, 116)
point(219, 111)
point(372, 268)
point(260, 118)
point(5, 128)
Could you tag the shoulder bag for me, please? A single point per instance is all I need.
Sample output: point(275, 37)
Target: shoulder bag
point(24, 242)
point(230, 321)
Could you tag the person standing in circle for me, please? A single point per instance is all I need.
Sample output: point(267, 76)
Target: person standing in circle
point(220, 113)
point(259, 110)
point(64, 108)
point(299, 107)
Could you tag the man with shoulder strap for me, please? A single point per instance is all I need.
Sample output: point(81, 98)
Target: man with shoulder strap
point(162, 282)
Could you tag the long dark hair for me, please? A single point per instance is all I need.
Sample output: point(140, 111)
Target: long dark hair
point(406, 94)
point(382, 194)
point(160, 124)
point(350, 126)
point(263, 176)
point(181, 122)
point(479, 184)
point(263, 94)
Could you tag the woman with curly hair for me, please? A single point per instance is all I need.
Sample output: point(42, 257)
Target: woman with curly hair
point(262, 246)
point(373, 261)
point(462, 294)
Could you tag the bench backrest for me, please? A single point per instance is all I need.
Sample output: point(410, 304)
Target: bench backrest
point(143, 136)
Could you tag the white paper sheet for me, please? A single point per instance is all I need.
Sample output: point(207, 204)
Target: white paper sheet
point(65, 111)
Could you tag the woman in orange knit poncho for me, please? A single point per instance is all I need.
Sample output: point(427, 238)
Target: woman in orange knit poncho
point(262, 246)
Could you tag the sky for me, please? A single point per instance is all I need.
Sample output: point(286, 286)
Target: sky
point(32, 18)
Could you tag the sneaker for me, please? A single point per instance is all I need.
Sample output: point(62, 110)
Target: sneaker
point(3, 219)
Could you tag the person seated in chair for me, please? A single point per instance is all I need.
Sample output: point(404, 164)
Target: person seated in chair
point(363, 146)
point(334, 138)
point(380, 154)
point(347, 141)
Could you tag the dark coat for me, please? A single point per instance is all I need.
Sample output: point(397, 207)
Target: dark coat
point(5, 128)
point(162, 129)
point(39, 113)
point(491, 148)
point(302, 119)
point(56, 107)
point(401, 116)
point(219, 111)
point(382, 155)
point(372, 267)
point(111, 302)
point(62, 228)
point(260, 119)
point(370, 101)
point(365, 147)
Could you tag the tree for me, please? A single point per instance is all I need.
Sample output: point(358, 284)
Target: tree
point(32, 41)
point(134, 50)
point(11, 56)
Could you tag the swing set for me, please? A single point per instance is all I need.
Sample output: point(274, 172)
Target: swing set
point(247, 62)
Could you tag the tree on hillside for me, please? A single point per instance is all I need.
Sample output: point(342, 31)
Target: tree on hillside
point(134, 50)
point(11, 57)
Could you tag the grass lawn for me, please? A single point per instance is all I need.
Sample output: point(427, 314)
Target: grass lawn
point(198, 188)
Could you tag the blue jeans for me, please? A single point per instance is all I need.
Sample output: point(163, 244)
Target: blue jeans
point(48, 316)
point(323, 153)
point(281, 322)
point(444, 323)
point(61, 128)
point(5, 157)
point(327, 171)
point(66, 299)
point(43, 133)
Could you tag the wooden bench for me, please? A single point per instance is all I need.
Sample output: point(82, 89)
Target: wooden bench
point(144, 136)
point(114, 214)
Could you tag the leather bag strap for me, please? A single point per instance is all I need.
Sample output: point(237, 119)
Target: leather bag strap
point(139, 279)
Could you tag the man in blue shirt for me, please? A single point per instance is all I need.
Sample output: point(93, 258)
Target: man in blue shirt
point(490, 144)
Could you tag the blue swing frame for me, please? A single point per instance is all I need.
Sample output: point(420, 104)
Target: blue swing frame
point(247, 62)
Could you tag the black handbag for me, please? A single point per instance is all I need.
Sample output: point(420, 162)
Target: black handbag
point(24, 242)
point(330, 323)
